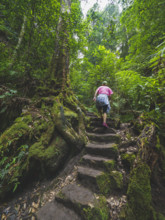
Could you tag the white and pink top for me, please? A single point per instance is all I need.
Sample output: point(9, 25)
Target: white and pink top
point(104, 90)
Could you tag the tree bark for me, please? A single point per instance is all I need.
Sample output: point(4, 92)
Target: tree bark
point(19, 41)
point(59, 67)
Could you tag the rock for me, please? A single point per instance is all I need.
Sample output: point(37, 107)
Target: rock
point(104, 137)
point(56, 211)
point(98, 162)
point(106, 150)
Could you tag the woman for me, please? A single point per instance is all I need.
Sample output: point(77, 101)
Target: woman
point(102, 101)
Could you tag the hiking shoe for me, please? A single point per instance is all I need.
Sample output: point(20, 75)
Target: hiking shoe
point(105, 125)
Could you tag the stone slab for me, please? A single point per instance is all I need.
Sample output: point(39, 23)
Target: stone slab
point(76, 194)
point(104, 137)
point(97, 161)
point(55, 211)
point(106, 150)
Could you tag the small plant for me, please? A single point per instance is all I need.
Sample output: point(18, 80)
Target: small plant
point(7, 165)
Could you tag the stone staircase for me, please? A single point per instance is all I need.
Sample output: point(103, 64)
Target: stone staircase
point(98, 178)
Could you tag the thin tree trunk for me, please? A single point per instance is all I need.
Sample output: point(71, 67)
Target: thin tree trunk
point(19, 41)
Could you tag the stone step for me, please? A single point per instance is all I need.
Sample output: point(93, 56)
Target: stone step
point(101, 130)
point(100, 182)
point(91, 115)
point(98, 162)
point(97, 122)
point(104, 137)
point(56, 211)
point(76, 197)
point(88, 177)
point(106, 150)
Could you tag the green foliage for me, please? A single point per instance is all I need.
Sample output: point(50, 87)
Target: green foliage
point(144, 22)
point(139, 92)
point(85, 76)
point(8, 165)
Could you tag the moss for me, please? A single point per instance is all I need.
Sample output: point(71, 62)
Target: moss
point(158, 145)
point(38, 150)
point(42, 129)
point(19, 129)
point(139, 194)
point(138, 126)
point(104, 184)
point(61, 196)
point(128, 159)
point(25, 118)
point(109, 182)
point(163, 161)
point(51, 154)
point(116, 179)
point(160, 217)
point(128, 136)
point(46, 137)
point(70, 114)
point(22, 133)
point(100, 210)
point(110, 164)
point(115, 147)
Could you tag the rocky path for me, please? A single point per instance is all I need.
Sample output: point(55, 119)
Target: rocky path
point(96, 192)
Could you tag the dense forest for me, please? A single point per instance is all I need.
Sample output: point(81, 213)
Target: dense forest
point(52, 59)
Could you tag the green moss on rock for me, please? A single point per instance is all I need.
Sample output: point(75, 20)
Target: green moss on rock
point(100, 211)
point(104, 184)
point(160, 217)
point(139, 194)
point(44, 127)
point(109, 165)
point(19, 129)
point(128, 159)
point(109, 182)
point(116, 179)
point(50, 155)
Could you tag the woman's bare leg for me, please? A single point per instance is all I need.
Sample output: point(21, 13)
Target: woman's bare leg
point(104, 117)
point(100, 112)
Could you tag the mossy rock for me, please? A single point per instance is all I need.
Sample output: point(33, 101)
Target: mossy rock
point(51, 157)
point(14, 137)
point(109, 165)
point(128, 159)
point(99, 211)
point(110, 181)
point(139, 194)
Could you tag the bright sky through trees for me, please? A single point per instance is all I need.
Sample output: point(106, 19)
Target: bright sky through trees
point(87, 4)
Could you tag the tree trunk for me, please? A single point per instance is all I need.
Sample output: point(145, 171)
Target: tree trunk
point(19, 41)
point(59, 67)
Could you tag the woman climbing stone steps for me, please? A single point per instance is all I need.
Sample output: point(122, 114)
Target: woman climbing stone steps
point(99, 183)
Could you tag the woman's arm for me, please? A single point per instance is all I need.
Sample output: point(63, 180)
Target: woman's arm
point(94, 98)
